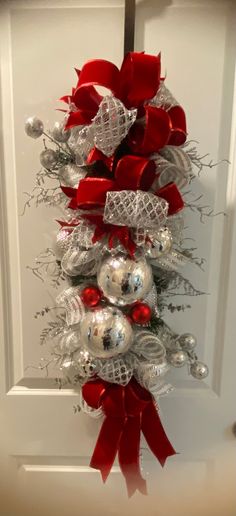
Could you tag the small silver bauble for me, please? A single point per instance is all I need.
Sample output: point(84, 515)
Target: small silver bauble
point(59, 134)
point(34, 127)
point(161, 243)
point(199, 370)
point(85, 364)
point(124, 280)
point(178, 358)
point(48, 158)
point(106, 332)
point(187, 341)
point(150, 374)
point(70, 175)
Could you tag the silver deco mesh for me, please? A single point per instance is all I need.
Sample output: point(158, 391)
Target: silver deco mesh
point(117, 370)
point(111, 124)
point(95, 413)
point(163, 98)
point(71, 301)
point(148, 345)
point(76, 262)
point(135, 209)
point(149, 375)
point(168, 172)
point(82, 236)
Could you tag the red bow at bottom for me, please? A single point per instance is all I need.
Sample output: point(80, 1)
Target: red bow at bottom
point(128, 410)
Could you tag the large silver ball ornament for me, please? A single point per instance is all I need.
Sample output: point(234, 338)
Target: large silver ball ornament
point(161, 243)
point(187, 341)
point(48, 158)
point(178, 358)
point(106, 332)
point(59, 134)
point(34, 127)
point(199, 370)
point(124, 280)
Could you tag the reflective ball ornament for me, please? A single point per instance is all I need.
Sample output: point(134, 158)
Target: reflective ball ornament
point(48, 158)
point(59, 134)
point(106, 332)
point(161, 243)
point(187, 341)
point(85, 364)
point(199, 370)
point(91, 296)
point(124, 280)
point(141, 313)
point(178, 358)
point(34, 127)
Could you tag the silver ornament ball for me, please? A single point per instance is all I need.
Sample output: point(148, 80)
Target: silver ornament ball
point(48, 158)
point(106, 332)
point(187, 341)
point(85, 364)
point(34, 127)
point(59, 133)
point(178, 358)
point(199, 370)
point(124, 280)
point(161, 243)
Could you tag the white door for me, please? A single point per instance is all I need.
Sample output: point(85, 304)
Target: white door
point(45, 444)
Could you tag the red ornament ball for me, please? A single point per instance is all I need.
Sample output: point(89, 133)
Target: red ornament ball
point(141, 313)
point(91, 296)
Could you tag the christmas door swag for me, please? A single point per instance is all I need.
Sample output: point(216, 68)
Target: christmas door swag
point(123, 163)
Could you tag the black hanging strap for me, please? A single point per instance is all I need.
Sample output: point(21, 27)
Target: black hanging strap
point(129, 26)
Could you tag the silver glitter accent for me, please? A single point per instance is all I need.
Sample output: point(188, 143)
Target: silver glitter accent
point(163, 98)
point(71, 174)
point(148, 345)
point(77, 262)
point(168, 172)
point(111, 124)
point(149, 375)
point(135, 209)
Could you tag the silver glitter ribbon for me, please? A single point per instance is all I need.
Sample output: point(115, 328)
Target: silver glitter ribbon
point(71, 174)
point(163, 98)
point(171, 261)
point(135, 209)
point(111, 124)
point(148, 345)
point(70, 300)
point(149, 374)
point(168, 172)
point(117, 370)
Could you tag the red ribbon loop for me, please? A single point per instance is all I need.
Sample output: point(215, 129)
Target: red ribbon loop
point(172, 195)
point(154, 134)
point(134, 173)
point(128, 411)
point(139, 78)
point(91, 192)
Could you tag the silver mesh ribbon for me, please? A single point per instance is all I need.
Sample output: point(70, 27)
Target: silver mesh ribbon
point(178, 157)
point(82, 236)
point(176, 225)
point(81, 142)
point(148, 345)
point(71, 174)
point(171, 261)
point(117, 370)
point(168, 172)
point(70, 300)
point(135, 209)
point(149, 375)
point(163, 98)
point(63, 242)
point(95, 413)
point(111, 124)
point(66, 342)
point(139, 236)
point(151, 300)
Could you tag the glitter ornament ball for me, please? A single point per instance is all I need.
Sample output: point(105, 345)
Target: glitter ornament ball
point(141, 313)
point(59, 134)
point(91, 296)
point(161, 243)
point(34, 127)
point(85, 364)
point(48, 158)
point(106, 332)
point(71, 174)
point(178, 358)
point(124, 280)
point(199, 370)
point(187, 341)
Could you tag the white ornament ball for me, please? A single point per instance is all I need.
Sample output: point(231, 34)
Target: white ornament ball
point(106, 332)
point(48, 158)
point(124, 280)
point(59, 134)
point(187, 341)
point(161, 243)
point(34, 127)
point(199, 370)
point(178, 358)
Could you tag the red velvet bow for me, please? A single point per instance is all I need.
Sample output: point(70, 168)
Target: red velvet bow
point(134, 84)
point(128, 411)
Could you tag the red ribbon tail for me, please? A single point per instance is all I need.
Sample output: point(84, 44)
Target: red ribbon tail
point(107, 445)
point(155, 435)
point(129, 456)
